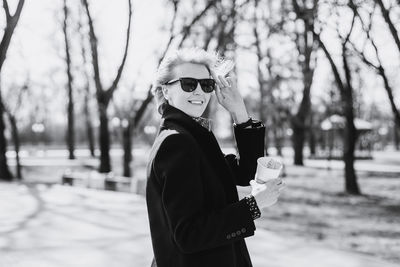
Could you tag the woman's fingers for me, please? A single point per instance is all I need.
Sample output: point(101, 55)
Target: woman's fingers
point(215, 77)
point(223, 81)
point(232, 79)
point(218, 93)
point(272, 182)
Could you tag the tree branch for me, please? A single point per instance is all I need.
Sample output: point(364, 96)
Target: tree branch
point(112, 88)
point(330, 59)
point(378, 68)
point(186, 29)
point(93, 46)
point(9, 30)
point(6, 10)
point(172, 36)
point(389, 22)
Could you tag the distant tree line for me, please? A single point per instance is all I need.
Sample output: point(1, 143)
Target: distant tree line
point(289, 39)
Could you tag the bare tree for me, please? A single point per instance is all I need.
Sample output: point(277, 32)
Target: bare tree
point(260, 78)
point(87, 92)
point(70, 108)
point(103, 95)
point(11, 24)
point(125, 112)
point(346, 91)
point(269, 79)
point(12, 111)
point(306, 46)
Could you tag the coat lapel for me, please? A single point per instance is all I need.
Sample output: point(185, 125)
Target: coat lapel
point(174, 118)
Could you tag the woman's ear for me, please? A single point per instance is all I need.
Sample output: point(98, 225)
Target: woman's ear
point(165, 92)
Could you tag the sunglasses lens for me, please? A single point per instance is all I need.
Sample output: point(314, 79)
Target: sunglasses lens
point(188, 84)
point(208, 85)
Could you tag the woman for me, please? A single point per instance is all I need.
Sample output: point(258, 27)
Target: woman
point(195, 215)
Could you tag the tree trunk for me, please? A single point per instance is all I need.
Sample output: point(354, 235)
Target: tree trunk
point(15, 136)
point(88, 122)
point(277, 139)
point(261, 82)
point(311, 135)
point(70, 133)
point(298, 144)
point(312, 141)
point(264, 119)
point(11, 23)
point(261, 112)
point(5, 173)
point(127, 144)
point(350, 137)
point(70, 109)
point(299, 120)
point(86, 110)
point(350, 133)
point(104, 136)
point(396, 129)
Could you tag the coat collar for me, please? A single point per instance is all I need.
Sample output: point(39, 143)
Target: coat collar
point(177, 116)
point(174, 118)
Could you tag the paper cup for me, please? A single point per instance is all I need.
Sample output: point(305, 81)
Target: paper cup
point(267, 168)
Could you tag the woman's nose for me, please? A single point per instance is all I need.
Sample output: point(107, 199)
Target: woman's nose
point(198, 90)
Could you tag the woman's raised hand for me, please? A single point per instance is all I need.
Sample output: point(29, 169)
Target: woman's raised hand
point(228, 94)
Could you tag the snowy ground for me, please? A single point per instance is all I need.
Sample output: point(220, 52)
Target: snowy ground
point(312, 208)
point(59, 226)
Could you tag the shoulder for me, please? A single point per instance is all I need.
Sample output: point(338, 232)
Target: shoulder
point(176, 151)
point(173, 140)
point(170, 140)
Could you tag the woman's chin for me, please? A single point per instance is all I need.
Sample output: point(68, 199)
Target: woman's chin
point(194, 111)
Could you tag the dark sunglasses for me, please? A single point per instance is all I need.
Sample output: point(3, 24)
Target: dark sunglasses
point(190, 84)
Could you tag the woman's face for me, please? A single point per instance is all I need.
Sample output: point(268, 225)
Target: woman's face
point(192, 103)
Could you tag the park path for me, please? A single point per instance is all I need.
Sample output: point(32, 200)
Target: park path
point(59, 226)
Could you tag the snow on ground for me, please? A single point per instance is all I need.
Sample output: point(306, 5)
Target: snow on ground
point(313, 206)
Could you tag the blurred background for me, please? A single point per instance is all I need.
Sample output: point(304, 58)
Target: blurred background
point(76, 109)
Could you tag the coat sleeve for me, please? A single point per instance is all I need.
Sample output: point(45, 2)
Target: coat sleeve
point(193, 227)
point(250, 144)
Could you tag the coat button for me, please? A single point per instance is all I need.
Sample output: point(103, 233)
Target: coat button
point(228, 237)
point(238, 232)
point(233, 234)
point(243, 230)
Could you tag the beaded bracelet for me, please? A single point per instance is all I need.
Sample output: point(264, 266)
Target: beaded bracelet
point(251, 202)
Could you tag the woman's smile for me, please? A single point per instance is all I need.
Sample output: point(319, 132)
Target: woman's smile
point(196, 102)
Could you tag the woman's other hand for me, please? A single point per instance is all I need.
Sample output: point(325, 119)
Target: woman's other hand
point(267, 194)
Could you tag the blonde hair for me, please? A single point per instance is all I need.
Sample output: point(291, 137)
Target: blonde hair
point(210, 60)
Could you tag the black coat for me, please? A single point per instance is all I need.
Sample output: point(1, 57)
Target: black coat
point(196, 218)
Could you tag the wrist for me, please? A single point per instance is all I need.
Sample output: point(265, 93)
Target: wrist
point(240, 115)
point(253, 207)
